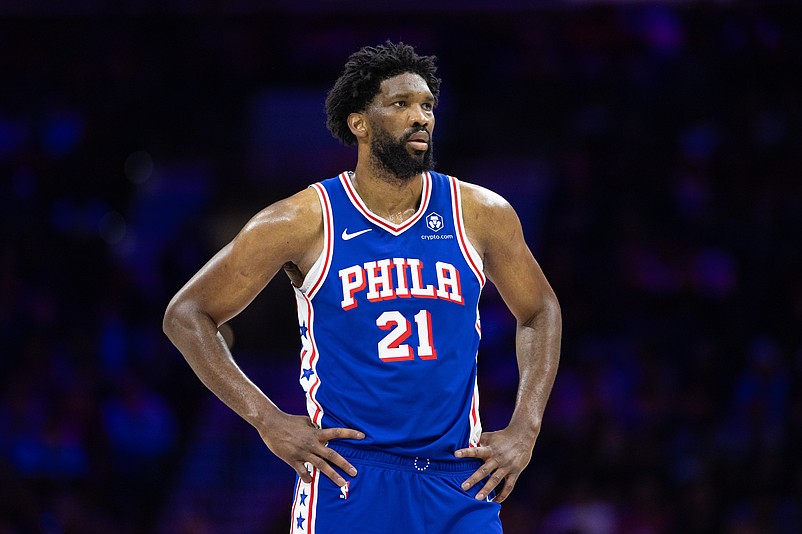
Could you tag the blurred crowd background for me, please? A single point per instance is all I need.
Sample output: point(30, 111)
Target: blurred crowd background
point(652, 151)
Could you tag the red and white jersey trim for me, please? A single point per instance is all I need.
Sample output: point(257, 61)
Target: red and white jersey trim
point(317, 274)
point(468, 251)
point(310, 382)
point(309, 357)
point(475, 263)
point(395, 229)
point(475, 422)
point(304, 505)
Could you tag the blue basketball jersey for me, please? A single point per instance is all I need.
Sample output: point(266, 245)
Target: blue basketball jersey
point(389, 323)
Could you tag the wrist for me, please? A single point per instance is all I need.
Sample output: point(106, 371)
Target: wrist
point(263, 414)
point(525, 427)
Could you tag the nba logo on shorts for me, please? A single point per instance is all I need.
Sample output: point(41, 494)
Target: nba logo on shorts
point(344, 490)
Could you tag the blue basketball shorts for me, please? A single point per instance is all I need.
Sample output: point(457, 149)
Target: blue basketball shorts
point(394, 494)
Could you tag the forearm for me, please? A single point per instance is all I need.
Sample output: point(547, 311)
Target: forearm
point(538, 352)
point(507, 452)
point(196, 336)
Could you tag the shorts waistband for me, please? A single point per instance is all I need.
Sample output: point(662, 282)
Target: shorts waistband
point(407, 463)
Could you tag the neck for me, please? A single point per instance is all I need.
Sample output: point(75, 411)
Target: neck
point(386, 195)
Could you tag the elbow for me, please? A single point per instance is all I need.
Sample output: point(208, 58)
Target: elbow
point(170, 320)
point(554, 309)
point(554, 312)
point(184, 319)
point(175, 315)
point(547, 313)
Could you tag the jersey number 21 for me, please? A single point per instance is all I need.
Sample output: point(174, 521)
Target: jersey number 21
point(392, 347)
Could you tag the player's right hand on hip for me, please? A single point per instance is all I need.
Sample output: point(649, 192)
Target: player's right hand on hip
point(297, 441)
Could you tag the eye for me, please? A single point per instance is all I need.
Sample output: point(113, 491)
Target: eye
point(428, 106)
point(400, 103)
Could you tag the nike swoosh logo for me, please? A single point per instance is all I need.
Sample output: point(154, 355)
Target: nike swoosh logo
point(346, 236)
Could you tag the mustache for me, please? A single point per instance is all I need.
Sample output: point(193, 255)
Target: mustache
point(415, 129)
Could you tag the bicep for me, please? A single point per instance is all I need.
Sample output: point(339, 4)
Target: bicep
point(510, 264)
point(229, 281)
point(234, 276)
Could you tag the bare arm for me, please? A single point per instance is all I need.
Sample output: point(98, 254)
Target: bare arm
point(288, 231)
point(496, 232)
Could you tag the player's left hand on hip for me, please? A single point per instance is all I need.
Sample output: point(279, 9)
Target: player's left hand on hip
point(504, 455)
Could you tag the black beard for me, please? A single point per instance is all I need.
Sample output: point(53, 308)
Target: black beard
point(393, 155)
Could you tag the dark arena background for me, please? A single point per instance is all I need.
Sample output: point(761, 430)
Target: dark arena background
point(652, 150)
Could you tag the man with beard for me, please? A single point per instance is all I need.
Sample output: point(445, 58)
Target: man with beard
point(387, 262)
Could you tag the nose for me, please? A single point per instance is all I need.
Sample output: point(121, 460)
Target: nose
point(418, 116)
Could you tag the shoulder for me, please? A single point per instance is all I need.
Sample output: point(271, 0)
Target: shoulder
point(297, 209)
point(289, 227)
point(488, 216)
point(481, 199)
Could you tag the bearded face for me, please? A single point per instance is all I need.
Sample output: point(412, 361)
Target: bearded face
point(397, 155)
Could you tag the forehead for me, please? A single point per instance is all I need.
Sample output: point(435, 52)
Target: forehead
point(406, 83)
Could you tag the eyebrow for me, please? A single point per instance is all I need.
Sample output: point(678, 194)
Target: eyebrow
point(407, 94)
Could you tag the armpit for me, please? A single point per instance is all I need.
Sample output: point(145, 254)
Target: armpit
point(294, 273)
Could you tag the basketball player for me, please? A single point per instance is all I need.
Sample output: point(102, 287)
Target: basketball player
point(387, 262)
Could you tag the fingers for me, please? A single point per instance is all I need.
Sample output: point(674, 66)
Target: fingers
point(509, 484)
point(328, 434)
point(303, 472)
point(474, 452)
point(497, 477)
point(303, 446)
point(479, 475)
point(323, 458)
point(325, 467)
point(305, 469)
point(498, 474)
point(332, 457)
point(484, 453)
point(489, 486)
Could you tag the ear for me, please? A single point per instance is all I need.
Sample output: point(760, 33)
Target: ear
point(357, 125)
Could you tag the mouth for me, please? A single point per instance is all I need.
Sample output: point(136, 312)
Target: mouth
point(419, 141)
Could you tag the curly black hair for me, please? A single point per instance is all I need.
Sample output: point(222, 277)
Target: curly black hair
point(362, 75)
